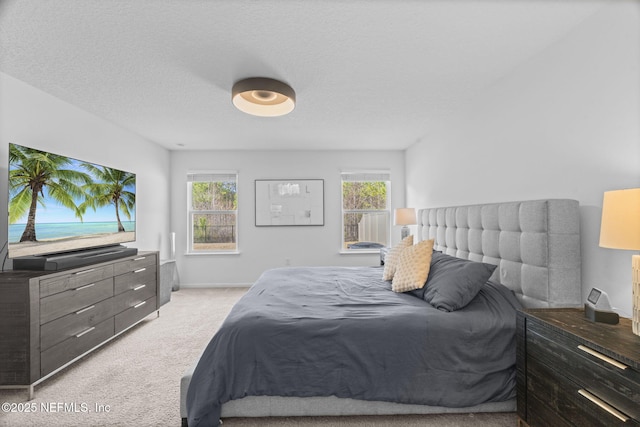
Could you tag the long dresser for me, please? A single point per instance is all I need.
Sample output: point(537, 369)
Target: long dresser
point(50, 320)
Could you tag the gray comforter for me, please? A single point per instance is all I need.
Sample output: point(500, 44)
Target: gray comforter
point(321, 331)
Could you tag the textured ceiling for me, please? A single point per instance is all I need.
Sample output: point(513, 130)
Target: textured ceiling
point(368, 74)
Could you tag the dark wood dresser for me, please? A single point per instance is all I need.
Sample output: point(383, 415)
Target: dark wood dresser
point(50, 319)
point(572, 372)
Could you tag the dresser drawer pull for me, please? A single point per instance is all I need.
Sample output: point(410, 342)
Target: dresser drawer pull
point(140, 304)
point(140, 258)
point(140, 270)
point(85, 309)
point(137, 288)
point(78, 273)
point(603, 357)
point(604, 405)
point(84, 287)
point(86, 331)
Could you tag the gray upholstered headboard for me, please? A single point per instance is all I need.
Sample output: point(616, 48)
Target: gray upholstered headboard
point(535, 244)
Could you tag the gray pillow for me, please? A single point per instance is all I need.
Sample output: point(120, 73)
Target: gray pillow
point(453, 282)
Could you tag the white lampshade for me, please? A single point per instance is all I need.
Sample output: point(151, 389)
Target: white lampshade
point(620, 226)
point(620, 229)
point(405, 216)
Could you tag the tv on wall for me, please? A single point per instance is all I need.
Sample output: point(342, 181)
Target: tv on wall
point(58, 204)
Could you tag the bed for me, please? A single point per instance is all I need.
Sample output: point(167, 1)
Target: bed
point(322, 360)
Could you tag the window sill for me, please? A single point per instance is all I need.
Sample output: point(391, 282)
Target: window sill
point(201, 253)
point(360, 252)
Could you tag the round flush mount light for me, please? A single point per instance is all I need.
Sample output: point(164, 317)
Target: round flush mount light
point(264, 97)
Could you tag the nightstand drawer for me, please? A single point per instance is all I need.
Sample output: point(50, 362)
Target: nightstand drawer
point(555, 400)
point(611, 381)
point(60, 304)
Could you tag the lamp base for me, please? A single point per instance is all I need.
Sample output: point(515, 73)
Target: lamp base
point(635, 279)
point(404, 232)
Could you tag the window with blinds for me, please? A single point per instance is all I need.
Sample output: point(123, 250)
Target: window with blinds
point(366, 210)
point(212, 207)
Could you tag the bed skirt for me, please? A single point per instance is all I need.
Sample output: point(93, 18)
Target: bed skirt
point(276, 406)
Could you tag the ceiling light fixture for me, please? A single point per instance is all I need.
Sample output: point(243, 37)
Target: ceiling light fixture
point(264, 97)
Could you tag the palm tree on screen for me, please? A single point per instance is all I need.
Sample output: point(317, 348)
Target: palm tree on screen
point(112, 187)
point(34, 174)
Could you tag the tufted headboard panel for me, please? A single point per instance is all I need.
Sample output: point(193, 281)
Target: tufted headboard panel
point(535, 244)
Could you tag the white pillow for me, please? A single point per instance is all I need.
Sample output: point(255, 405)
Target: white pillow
point(413, 267)
point(391, 260)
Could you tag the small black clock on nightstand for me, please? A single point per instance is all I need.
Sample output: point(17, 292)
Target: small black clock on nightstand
point(598, 309)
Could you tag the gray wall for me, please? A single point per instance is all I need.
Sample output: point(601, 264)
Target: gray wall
point(564, 125)
point(33, 118)
point(267, 247)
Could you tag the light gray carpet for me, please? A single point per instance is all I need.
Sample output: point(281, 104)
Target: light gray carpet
point(137, 376)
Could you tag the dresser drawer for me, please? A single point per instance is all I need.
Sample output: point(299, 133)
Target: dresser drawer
point(54, 285)
point(72, 300)
point(135, 313)
point(72, 324)
point(73, 347)
point(614, 383)
point(135, 279)
point(133, 297)
point(133, 264)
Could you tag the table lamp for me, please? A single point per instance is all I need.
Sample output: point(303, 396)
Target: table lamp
point(620, 229)
point(405, 217)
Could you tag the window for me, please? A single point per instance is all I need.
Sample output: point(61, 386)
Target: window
point(365, 210)
point(213, 212)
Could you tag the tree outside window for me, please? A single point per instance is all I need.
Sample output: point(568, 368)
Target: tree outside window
point(365, 210)
point(213, 212)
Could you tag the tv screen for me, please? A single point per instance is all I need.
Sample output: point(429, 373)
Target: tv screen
point(59, 204)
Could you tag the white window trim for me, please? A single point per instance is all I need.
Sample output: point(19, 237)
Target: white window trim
point(190, 251)
point(372, 172)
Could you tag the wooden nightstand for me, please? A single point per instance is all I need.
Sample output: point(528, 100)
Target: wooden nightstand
point(383, 254)
point(572, 372)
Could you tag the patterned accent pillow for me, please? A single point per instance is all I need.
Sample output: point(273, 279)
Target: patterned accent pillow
point(413, 267)
point(391, 260)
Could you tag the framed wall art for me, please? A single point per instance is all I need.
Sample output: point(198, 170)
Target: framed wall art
point(284, 202)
